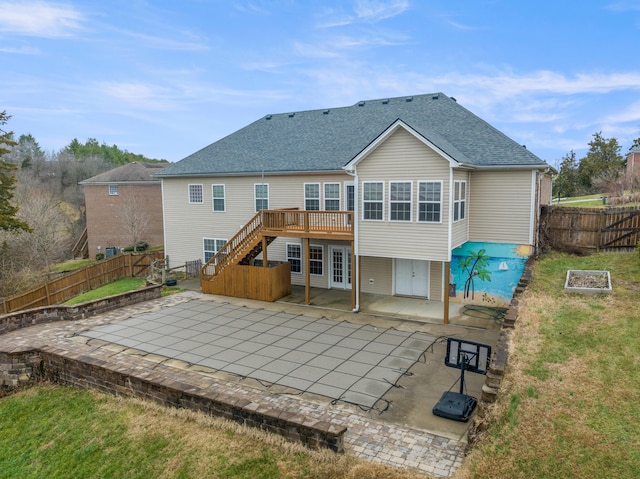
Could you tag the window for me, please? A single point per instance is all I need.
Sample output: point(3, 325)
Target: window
point(332, 196)
point(316, 261)
point(294, 257)
point(261, 192)
point(459, 200)
point(195, 194)
point(312, 196)
point(400, 200)
point(113, 190)
point(429, 201)
point(217, 195)
point(211, 247)
point(372, 200)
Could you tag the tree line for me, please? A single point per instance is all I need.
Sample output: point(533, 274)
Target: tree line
point(601, 170)
point(42, 209)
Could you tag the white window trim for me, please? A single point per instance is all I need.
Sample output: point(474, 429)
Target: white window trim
point(458, 201)
point(322, 252)
point(339, 198)
point(410, 201)
point(189, 193)
point(215, 240)
point(427, 202)
point(381, 201)
point(224, 198)
point(299, 246)
point(255, 198)
point(318, 199)
point(113, 190)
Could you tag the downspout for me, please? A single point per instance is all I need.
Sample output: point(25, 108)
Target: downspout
point(355, 269)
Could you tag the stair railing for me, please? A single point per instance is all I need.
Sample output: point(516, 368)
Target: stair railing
point(232, 248)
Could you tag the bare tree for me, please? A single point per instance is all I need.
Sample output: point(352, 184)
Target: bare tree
point(134, 222)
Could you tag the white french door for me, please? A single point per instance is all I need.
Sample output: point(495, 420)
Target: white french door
point(340, 267)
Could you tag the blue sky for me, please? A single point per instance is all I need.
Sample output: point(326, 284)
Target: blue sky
point(166, 78)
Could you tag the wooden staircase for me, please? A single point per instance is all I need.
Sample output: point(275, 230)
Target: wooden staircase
point(230, 272)
point(81, 248)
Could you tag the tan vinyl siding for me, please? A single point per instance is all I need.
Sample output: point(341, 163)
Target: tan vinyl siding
point(500, 206)
point(376, 275)
point(403, 157)
point(187, 224)
point(435, 280)
point(460, 229)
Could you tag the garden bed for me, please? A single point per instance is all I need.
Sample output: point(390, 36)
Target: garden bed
point(588, 282)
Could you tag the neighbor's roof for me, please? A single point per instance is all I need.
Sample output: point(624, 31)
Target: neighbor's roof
point(134, 172)
point(328, 139)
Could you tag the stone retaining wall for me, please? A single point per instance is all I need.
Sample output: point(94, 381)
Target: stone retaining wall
point(23, 369)
point(93, 373)
point(46, 314)
point(499, 358)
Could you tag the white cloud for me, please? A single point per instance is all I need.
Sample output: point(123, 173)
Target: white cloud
point(39, 19)
point(141, 95)
point(168, 43)
point(21, 50)
point(376, 10)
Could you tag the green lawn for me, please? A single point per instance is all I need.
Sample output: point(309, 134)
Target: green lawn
point(117, 287)
point(570, 404)
point(55, 432)
point(71, 265)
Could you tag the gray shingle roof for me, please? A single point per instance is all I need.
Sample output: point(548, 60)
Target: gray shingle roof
point(135, 171)
point(326, 140)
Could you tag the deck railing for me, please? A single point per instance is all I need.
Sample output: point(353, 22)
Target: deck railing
point(305, 221)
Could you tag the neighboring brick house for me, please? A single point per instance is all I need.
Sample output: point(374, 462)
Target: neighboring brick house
point(124, 205)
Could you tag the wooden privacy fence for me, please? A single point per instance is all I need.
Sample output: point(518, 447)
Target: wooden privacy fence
point(81, 280)
point(595, 229)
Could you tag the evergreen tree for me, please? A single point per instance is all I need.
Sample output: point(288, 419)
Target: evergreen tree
point(567, 182)
point(8, 211)
point(603, 163)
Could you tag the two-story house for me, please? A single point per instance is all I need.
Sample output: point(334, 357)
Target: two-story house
point(411, 196)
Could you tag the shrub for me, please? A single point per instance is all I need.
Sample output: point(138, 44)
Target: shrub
point(139, 246)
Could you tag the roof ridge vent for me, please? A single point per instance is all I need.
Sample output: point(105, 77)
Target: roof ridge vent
point(409, 98)
point(435, 97)
point(360, 103)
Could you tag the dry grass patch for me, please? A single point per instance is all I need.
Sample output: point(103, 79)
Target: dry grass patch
point(65, 432)
point(570, 401)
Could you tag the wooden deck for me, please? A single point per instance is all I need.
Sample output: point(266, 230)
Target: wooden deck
point(336, 225)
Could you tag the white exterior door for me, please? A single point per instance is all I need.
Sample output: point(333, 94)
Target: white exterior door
point(340, 267)
point(412, 277)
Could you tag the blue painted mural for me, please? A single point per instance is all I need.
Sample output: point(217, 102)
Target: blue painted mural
point(487, 273)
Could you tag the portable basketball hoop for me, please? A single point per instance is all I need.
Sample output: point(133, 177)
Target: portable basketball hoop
point(466, 356)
